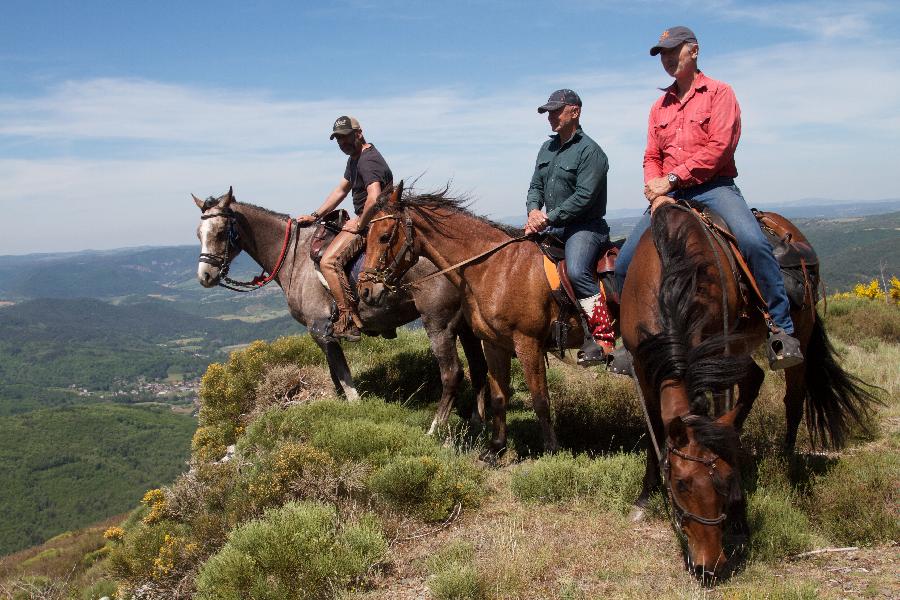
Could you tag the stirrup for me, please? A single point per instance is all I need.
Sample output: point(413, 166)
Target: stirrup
point(783, 351)
point(621, 362)
point(593, 353)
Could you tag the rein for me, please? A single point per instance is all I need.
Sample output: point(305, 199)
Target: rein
point(388, 276)
point(223, 262)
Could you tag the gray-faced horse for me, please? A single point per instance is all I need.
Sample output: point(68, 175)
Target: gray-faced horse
point(228, 227)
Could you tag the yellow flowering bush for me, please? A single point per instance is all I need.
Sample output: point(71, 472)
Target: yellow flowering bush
point(872, 290)
point(114, 534)
point(155, 500)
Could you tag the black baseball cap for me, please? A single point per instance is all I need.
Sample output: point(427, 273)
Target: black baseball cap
point(343, 126)
point(560, 98)
point(672, 37)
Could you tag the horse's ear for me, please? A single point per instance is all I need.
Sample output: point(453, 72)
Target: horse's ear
point(677, 431)
point(397, 193)
point(228, 199)
point(728, 418)
point(200, 204)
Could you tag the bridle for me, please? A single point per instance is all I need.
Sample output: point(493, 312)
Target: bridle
point(682, 514)
point(233, 240)
point(389, 275)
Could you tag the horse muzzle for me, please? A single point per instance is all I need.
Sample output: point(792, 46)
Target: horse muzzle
point(208, 275)
point(372, 293)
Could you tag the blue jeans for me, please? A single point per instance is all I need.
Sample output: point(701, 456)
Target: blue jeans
point(583, 243)
point(725, 199)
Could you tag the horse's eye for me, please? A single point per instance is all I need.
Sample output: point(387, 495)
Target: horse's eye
point(683, 485)
point(384, 238)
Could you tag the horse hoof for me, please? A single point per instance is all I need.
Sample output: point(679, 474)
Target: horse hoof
point(637, 514)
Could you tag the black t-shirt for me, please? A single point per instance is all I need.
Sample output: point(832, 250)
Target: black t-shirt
point(364, 171)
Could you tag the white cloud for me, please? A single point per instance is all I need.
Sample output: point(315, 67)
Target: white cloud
point(820, 119)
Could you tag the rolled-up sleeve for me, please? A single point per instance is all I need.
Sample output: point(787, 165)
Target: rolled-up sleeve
point(592, 169)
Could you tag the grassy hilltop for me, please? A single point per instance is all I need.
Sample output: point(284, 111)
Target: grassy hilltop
point(325, 499)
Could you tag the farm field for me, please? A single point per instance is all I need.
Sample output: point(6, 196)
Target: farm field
point(391, 513)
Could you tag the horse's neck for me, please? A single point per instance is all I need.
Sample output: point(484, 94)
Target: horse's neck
point(673, 400)
point(262, 235)
point(458, 237)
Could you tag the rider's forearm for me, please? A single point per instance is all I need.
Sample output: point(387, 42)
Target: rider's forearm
point(331, 202)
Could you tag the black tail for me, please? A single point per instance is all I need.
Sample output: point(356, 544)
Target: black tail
point(834, 397)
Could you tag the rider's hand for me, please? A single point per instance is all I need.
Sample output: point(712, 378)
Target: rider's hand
point(660, 201)
point(351, 226)
point(658, 187)
point(305, 220)
point(537, 221)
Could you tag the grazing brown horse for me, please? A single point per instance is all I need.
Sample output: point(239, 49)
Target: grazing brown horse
point(228, 227)
point(506, 297)
point(678, 290)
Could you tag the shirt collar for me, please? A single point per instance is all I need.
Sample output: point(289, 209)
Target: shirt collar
point(574, 137)
point(700, 81)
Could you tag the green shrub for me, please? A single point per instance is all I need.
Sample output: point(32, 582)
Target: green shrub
point(364, 440)
point(857, 501)
point(98, 589)
point(778, 529)
point(453, 574)
point(228, 391)
point(298, 551)
point(861, 318)
point(613, 481)
point(430, 486)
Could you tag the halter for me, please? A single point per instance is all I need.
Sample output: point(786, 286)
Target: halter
point(223, 261)
point(390, 275)
point(683, 514)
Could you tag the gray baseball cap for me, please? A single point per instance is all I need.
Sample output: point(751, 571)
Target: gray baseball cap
point(560, 98)
point(672, 37)
point(343, 126)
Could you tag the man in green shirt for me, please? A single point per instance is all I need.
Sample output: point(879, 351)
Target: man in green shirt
point(569, 182)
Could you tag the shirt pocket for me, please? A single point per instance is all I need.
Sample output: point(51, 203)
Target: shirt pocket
point(699, 126)
point(664, 132)
point(566, 176)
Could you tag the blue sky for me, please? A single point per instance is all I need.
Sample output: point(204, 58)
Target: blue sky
point(112, 113)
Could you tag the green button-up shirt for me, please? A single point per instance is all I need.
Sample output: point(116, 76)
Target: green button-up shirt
point(569, 180)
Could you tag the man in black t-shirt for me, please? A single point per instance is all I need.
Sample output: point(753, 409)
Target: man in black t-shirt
point(366, 175)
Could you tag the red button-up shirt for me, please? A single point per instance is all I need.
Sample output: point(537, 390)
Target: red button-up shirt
point(694, 138)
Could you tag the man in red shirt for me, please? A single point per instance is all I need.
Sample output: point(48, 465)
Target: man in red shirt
point(692, 134)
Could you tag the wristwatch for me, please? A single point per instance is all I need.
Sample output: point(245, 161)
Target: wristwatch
point(315, 215)
point(673, 179)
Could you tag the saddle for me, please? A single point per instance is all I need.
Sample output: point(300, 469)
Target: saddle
point(797, 259)
point(329, 226)
point(554, 251)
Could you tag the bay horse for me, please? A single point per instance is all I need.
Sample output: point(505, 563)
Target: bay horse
point(228, 227)
point(506, 297)
point(679, 288)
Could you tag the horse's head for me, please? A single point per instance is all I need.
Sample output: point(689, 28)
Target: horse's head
point(702, 480)
point(390, 250)
point(219, 238)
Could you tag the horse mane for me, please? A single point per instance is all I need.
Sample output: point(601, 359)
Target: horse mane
point(441, 200)
point(212, 201)
point(724, 442)
point(681, 316)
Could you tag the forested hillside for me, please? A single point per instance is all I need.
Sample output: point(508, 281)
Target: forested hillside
point(66, 468)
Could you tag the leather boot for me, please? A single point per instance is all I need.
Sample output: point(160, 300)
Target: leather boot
point(346, 326)
point(599, 335)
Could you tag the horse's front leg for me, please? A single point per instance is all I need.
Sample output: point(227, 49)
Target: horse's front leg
point(443, 345)
point(338, 367)
point(652, 480)
point(531, 355)
point(748, 390)
point(498, 362)
point(478, 369)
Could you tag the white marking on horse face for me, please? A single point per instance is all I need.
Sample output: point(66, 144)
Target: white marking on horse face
point(207, 234)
